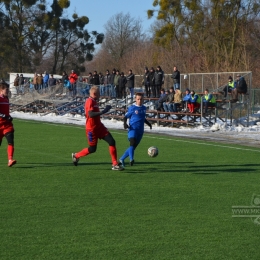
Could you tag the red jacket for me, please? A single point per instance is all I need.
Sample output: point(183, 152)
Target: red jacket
point(73, 77)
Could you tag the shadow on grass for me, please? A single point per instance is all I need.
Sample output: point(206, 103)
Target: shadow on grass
point(157, 167)
point(170, 167)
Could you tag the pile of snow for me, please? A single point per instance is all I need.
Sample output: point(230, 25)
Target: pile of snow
point(115, 124)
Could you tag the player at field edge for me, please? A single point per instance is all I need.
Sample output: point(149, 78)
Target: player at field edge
point(6, 125)
point(96, 130)
point(136, 115)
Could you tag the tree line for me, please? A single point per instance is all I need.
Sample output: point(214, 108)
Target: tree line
point(36, 36)
point(197, 36)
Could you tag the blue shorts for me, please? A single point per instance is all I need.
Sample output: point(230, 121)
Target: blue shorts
point(132, 133)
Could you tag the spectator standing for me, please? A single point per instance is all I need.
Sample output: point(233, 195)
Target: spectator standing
point(112, 85)
point(116, 84)
point(16, 83)
point(107, 79)
point(146, 82)
point(95, 79)
point(40, 82)
point(73, 78)
point(159, 80)
point(176, 78)
point(122, 85)
point(90, 79)
point(101, 83)
point(21, 84)
point(52, 81)
point(96, 130)
point(35, 81)
point(152, 81)
point(131, 83)
point(64, 77)
point(45, 81)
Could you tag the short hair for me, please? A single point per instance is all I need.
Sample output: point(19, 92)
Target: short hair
point(94, 88)
point(139, 94)
point(206, 90)
point(4, 85)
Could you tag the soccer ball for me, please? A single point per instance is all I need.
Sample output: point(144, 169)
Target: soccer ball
point(153, 151)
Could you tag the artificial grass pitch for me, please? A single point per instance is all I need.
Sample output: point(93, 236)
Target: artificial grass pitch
point(175, 206)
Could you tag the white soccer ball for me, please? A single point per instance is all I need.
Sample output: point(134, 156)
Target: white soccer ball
point(153, 151)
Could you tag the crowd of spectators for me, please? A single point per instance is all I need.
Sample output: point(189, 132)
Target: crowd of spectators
point(118, 85)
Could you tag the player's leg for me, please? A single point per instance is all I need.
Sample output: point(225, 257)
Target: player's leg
point(112, 147)
point(92, 141)
point(134, 142)
point(131, 134)
point(10, 148)
point(112, 151)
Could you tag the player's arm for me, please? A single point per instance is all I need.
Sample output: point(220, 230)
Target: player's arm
point(91, 113)
point(148, 123)
point(125, 123)
point(127, 115)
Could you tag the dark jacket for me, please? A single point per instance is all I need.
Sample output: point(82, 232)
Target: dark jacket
point(64, 77)
point(101, 79)
point(162, 98)
point(158, 77)
point(21, 80)
point(151, 78)
point(107, 79)
point(90, 80)
point(112, 77)
point(130, 80)
point(122, 81)
point(146, 78)
point(170, 97)
point(176, 76)
point(96, 79)
point(52, 82)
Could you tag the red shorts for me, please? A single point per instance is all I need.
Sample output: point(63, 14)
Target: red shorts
point(94, 134)
point(5, 127)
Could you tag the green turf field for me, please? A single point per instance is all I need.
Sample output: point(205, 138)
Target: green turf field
point(175, 206)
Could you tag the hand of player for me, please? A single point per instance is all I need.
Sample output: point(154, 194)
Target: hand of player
point(126, 126)
point(9, 118)
point(106, 109)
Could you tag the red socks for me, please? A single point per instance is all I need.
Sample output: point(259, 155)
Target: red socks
point(113, 154)
point(82, 153)
point(10, 151)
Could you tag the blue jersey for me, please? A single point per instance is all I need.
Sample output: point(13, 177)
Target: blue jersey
point(136, 115)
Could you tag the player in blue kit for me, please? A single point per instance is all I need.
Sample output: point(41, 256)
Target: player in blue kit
point(136, 115)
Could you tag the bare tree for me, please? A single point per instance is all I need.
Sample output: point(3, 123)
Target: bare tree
point(122, 34)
